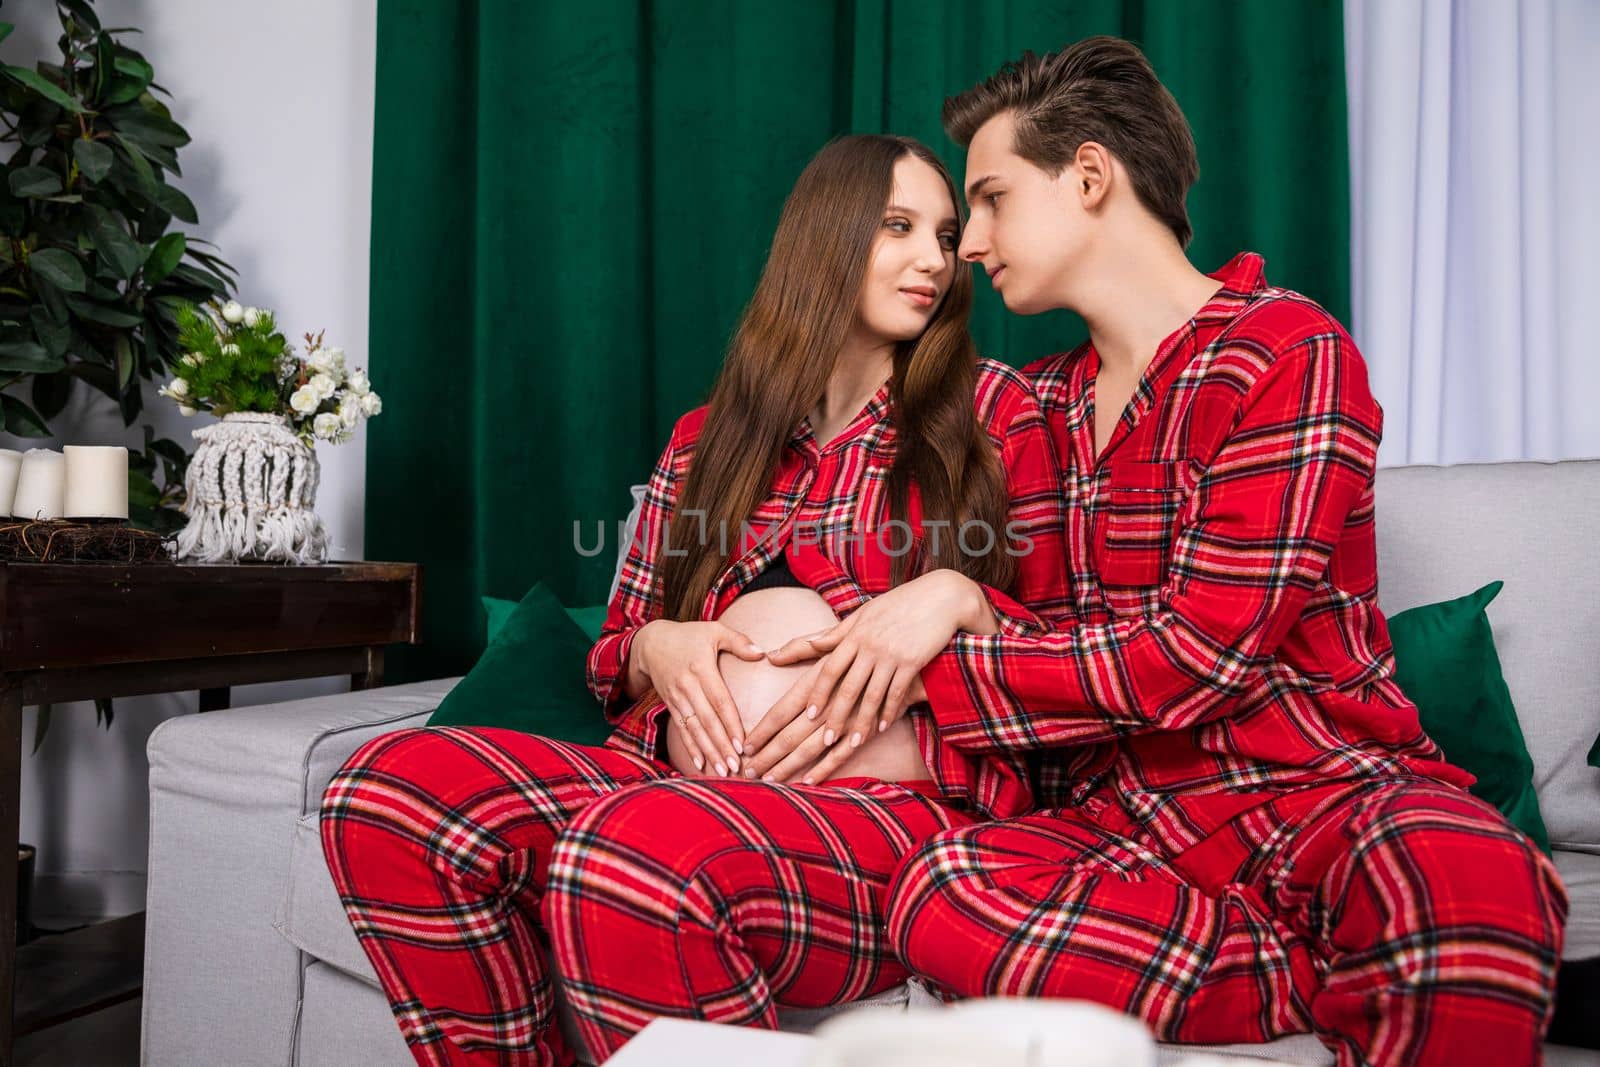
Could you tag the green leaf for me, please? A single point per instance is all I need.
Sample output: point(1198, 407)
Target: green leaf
point(131, 403)
point(169, 450)
point(163, 257)
point(173, 201)
point(142, 126)
point(84, 13)
point(20, 419)
point(60, 268)
point(93, 312)
point(95, 376)
point(5, 30)
point(125, 361)
point(124, 90)
point(142, 490)
point(51, 393)
point(105, 50)
point(37, 122)
point(153, 222)
point(122, 252)
point(94, 158)
point(145, 178)
point(105, 294)
point(103, 711)
point(54, 336)
point(51, 298)
point(183, 272)
point(28, 358)
point(41, 726)
point(34, 182)
point(134, 67)
point(45, 88)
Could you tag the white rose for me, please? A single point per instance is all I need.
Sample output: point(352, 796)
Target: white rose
point(179, 387)
point(350, 412)
point(326, 425)
point(371, 404)
point(323, 385)
point(358, 383)
point(318, 359)
point(185, 409)
point(305, 400)
point(336, 357)
point(251, 317)
point(232, 311)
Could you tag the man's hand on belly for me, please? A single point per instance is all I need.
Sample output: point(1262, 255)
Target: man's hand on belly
point(869, 673)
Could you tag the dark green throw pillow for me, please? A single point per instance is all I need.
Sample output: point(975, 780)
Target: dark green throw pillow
point(1446, 663)
point(530, 678)
point(589, 620)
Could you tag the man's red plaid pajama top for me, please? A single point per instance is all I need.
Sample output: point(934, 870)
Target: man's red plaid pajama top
point(463, 855)
point(1247, 833)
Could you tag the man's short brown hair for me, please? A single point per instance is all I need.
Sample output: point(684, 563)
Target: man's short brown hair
point(1101, 89)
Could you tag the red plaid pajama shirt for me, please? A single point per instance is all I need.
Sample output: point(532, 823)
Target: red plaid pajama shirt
point(1249, 834)
point(462, 856)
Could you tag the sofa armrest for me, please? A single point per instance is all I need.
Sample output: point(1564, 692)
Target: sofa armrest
point(226, 791)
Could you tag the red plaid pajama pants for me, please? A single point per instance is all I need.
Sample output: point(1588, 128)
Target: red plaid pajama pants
point(1404, 922)
point(463, 855)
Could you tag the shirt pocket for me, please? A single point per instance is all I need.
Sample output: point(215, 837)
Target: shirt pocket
point(1138, 523)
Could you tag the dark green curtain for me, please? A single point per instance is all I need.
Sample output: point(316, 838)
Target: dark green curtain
point(572, 200)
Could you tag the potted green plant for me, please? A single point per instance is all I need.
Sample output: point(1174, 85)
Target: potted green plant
point(91, 273)
point(253, 484)
point(92, 276)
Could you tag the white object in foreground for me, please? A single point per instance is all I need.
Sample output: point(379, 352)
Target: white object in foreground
point(985, 1036)
point(688, 1043)
point(41, 485)
point(995, 1032)
point(97, 482)
point(10, 467)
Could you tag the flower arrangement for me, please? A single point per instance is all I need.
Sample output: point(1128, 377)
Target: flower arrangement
point(235, 360)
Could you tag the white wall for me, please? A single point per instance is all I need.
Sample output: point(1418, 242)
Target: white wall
point(278, 100)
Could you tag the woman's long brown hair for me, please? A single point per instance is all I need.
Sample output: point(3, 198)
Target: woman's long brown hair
point(778, 366)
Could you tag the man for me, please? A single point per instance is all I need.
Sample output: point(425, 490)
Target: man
point(1248, 834)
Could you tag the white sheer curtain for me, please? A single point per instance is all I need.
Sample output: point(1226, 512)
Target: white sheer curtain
point(1475, 224)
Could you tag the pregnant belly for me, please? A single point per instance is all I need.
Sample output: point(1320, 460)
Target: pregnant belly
point(769, 617)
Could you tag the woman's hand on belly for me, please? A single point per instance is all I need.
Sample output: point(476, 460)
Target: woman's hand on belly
point(770, 617)
point(870, 670)
point(680, 662)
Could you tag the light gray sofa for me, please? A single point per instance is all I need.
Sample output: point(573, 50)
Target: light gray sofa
point(249, 959)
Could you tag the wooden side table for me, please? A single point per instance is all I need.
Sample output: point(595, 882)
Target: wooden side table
point(77, 631)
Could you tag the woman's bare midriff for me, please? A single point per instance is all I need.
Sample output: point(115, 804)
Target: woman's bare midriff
point(769, 617)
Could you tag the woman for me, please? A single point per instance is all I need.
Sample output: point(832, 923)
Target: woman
point(853, 443)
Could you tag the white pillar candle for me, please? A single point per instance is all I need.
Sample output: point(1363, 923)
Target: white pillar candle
point(10, 467)
point(41, 485)
point(97, 482)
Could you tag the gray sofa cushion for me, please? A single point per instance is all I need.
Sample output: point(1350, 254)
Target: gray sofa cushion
point(1445, 531)
point(311, 916)
point(1581, 873)
point(344, 1021)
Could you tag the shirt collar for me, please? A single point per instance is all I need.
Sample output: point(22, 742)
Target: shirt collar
point(875, 412)
point(1243, 278)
